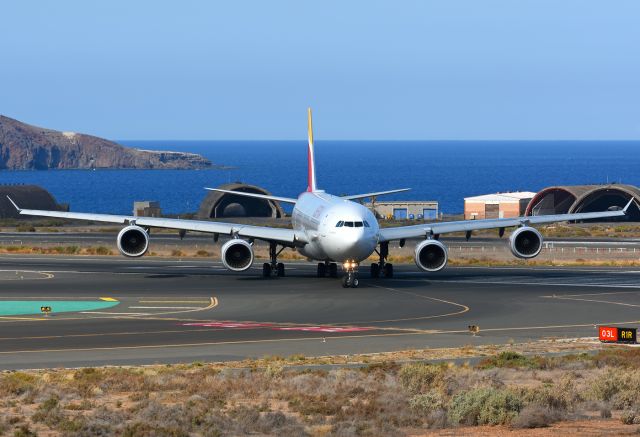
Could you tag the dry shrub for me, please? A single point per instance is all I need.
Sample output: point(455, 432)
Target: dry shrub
point(323, 405)
point(606, 386)
point(464, 378)
point(618, 358)
point(484, 406)
point(17, 383)
point(100, 422)
point(140, 429)
point(630, 417)
point(24, 431)
point(421, 377)
point(426, 403)
point(101, 250)
point(559, 396)
point(357, 428)
point(514, 360)
point(245, 419)
point(537, 416)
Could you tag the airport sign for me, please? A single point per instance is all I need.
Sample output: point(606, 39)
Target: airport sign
point(612, 334)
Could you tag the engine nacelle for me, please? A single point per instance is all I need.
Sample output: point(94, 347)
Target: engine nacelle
point(431, 255)
point(237, 255)
point(525, 242)
point(133, 241)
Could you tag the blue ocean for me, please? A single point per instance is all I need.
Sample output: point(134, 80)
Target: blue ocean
point(445, 171)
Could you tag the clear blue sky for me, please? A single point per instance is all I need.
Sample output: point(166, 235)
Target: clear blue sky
point(526, 69)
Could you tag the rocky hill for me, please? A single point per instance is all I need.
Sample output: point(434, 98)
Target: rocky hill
point(26, 147)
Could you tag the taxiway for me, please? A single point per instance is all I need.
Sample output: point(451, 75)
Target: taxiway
point(171, 311)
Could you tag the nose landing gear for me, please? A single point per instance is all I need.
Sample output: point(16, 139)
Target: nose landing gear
point(350, 279)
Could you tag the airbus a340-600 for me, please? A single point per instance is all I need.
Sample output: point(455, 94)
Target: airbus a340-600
point(334, 230)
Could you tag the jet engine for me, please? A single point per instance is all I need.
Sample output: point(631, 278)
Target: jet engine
point(431, 255)
point(133, 241)
point(237, 255)
point(525, 242)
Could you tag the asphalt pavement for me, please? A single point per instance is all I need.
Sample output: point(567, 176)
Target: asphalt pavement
point(170, 310)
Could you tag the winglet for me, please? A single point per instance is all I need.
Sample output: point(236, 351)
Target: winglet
point(627, 205)
point(14, 204)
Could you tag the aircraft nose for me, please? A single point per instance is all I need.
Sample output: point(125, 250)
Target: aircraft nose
point(350, 246)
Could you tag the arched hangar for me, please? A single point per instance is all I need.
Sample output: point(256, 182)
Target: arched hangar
point(584, 198)
point(217, 205)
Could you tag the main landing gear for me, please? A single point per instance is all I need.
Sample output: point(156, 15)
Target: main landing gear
point(274, 266)
point(382, 266)
point(327, 269)
point(350, 279)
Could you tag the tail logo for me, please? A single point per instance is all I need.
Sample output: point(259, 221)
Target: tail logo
point(311, 156)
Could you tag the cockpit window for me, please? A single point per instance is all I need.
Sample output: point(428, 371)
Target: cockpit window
point(358, 224)
point(340, 223)
point(366, 224)
point(348, 224)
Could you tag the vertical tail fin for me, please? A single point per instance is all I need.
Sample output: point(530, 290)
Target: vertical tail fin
point(311, 157)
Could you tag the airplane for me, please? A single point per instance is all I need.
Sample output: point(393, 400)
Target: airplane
point(329, 229)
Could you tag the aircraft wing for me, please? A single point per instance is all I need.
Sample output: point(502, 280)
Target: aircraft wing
point(374, 194)
point(280, 235)
point(427, 229)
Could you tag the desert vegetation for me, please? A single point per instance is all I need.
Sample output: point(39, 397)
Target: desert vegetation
point(277, 396)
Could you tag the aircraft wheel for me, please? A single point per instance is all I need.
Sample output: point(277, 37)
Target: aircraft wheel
point(266, 270)
point(322, 270)
point(345, 282)
point(333, 270)
point(388, 270)
point(354, 283)
point(375, 270)
point(280, 270)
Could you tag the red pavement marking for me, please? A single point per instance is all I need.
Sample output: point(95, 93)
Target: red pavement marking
point(322, 328)
point(250, 325)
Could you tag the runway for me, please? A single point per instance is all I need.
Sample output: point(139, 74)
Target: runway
point(170, 311)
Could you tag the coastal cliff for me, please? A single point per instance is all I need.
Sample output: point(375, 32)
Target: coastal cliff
point(27, 147)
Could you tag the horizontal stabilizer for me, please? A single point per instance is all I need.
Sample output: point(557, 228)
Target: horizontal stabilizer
point(256, 195)
point(378, 193)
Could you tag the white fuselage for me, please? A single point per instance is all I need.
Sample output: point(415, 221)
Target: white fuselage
point(337, 229)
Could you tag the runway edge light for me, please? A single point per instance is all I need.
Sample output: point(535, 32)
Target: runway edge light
point(612, 334)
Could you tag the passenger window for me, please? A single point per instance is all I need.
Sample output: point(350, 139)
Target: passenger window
point(340, 223)
point(366, 225)
point(348, 224)
point(358, 224)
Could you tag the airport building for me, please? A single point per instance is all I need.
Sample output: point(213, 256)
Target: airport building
point(498, 205)
point(147, 208)
point(405, 210)
point(565, 199)
point(28, 197)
